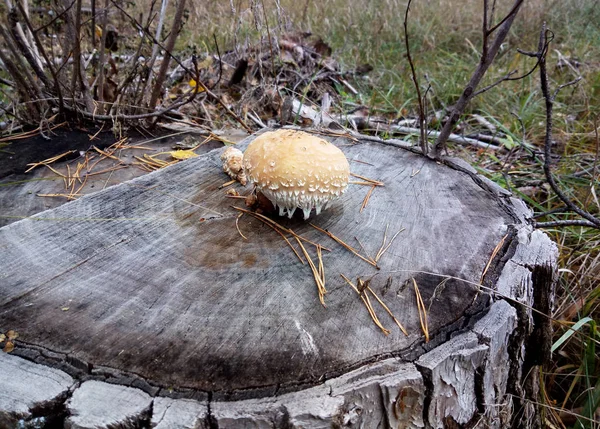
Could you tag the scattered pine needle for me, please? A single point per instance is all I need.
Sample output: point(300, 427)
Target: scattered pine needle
point(106, 170)
point(388, 311)
point(48, 161)
point(224, 185)
point(106, 154)
point(356, 182)
point(367, 198)
point(316, 273)
point(366, 179)
point(282, 228)
point(321, 266)
point(367, 303)
point(68, 196)
point(347, 246)
point(494, 253)
point(274, 227)
point(237, 225)
point(369, 182)
point(385, 246)
point(422, 311)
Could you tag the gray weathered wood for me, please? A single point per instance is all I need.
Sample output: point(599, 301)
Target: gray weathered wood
point(98, 405)
point(149, 284)
point(27, 387)
point(168, 413)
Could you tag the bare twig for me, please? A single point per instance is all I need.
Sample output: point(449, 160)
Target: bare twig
point(486, 60)
point(100, 84)
point(545, 36)
point(422, 125)
point(561, 223)
point(170, 44)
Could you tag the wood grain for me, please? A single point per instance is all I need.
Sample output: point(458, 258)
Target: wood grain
point(151, 277)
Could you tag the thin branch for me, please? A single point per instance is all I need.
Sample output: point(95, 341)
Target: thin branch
point(548, 138)
point(561, 223)
point(41, 75)
point(423, 131)
point(164, 66)
point(199, 83)
point(100, 83)
point(485, 61)
point(220, 62)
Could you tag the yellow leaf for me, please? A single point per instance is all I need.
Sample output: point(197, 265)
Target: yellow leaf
point(65, 309)
point(182, 154)
point(9, 347)
point(2, 338)
point(193, 84)
point(12, 335)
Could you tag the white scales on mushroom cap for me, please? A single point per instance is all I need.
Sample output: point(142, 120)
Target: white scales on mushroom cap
point(296, 170)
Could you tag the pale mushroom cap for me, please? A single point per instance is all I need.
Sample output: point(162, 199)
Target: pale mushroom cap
point(295, 169)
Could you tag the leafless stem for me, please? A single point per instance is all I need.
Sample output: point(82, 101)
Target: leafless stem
point(422, 126)
point(33, 63)
point(541, 54)
point(100, 82)
point(486, 60)
point(164, 66)
point(211, 94)
point(561, 223)
point(156, 46)
point(220, 62)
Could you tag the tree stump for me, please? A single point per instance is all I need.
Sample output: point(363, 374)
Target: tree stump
point(143, 305)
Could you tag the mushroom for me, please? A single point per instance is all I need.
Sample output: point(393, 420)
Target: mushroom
point(232, 164)
point(294, 169)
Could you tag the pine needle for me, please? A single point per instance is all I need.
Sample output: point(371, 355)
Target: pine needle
point(367, 303)
point(385, 247)
point(237, 225)
point(346, 246)
point(422, 311)
point(494, 253)
point(48, 161)
point(366, 179)
point(367, 198)
point(274, 227)
point(282, 228)
point(388, 311)
point(316, 273)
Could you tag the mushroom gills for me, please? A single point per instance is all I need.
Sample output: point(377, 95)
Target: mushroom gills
point(287, 204)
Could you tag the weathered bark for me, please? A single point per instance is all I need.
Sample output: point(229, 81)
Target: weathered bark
point(149, 285)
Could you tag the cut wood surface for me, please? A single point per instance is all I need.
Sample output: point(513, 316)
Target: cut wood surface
point(150, 284)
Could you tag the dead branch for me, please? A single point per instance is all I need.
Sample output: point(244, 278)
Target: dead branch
point(40, 46)
point(422, 126)
point(100, 82)
point(545, 37)
point(487, 57)
point(155, 48)
point(562, 223)
point(162, 72)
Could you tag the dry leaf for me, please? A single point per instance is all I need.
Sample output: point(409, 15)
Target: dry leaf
point(12, 335)
point(2, 338)
point(9, 347)
point(182, 154)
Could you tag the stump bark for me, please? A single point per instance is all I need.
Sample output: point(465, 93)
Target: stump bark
point(146, 298)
